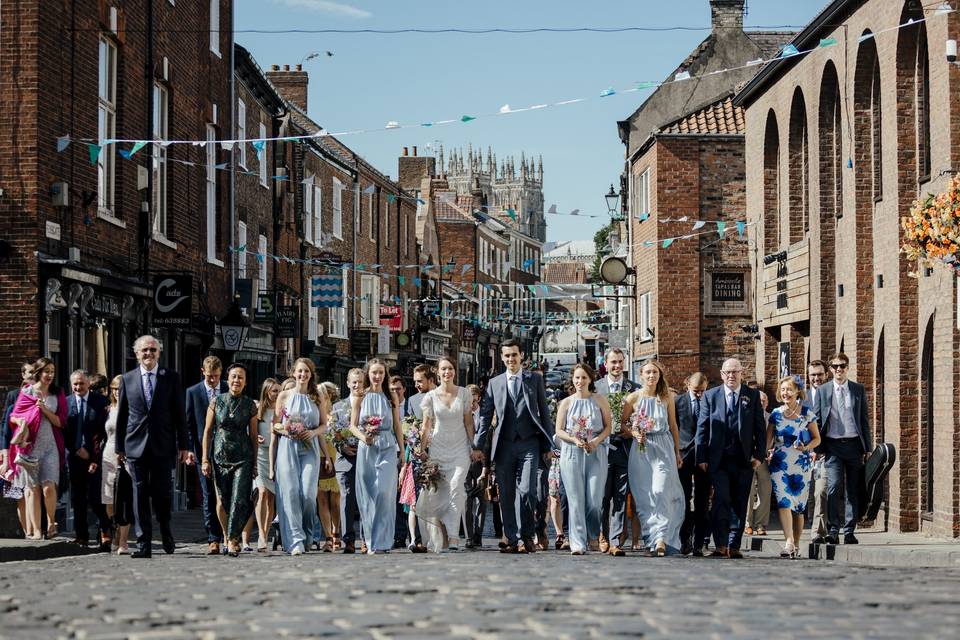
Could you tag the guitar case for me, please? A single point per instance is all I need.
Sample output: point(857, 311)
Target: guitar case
point(875, 473)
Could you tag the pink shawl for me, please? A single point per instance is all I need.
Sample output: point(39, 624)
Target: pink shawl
point(26, 409)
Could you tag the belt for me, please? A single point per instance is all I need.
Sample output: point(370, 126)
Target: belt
point(850, 439)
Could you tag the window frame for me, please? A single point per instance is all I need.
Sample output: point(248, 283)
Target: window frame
point(159, 164)
point(262, 160)
point(262, 262)
point(215, 28)
point(645, 316)
point(337, 206)
point(337, 326)
point(642, 193)
point(369, 300)
point(242, 132)
point(107, 126)
point(241, 255)
point(210, 183)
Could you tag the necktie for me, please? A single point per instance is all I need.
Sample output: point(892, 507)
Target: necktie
point(615, 387)
point(841, 398)
point(515, 388)
point(80, 412)
point(696, 407)
point(210, 394)
point(148, 390)
point(732, 404)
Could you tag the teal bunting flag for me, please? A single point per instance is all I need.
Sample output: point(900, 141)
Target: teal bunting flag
point(721, 227)
point(94, 150)
point(741, 227)
point(467, 118)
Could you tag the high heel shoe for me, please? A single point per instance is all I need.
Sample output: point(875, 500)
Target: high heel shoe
point(789, 551)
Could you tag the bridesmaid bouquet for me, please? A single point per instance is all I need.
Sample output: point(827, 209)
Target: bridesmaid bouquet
point(339, 434)
point(295, 428)
point(582, 430)
point(616, 409)
point(641, 424)
point(429, 476)
point(371, 425)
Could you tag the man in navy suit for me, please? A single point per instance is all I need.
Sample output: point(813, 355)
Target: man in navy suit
point(83, 435)
point(695, 481)
point(198, 400)
point(844, 421)
point(151, 428)
point(519, 399)
point(730, 444)
point(613, 511)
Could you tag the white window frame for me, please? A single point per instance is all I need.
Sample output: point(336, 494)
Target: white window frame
point(404, 316)
point(369, 300)
point(210, 149)
point(386, 224)
point(242, 132)
point(107, 127)
point(242, 255)
point(641, 186)
point(405, 238)
point(313, 322)
point(317, 214)
point(337, 317)
point(308, 208)
point(263, 156)
point(161, 122)
point(337, 209)
point(262, 263)
point(370, 231)
point(644, 316)
point(215, 27)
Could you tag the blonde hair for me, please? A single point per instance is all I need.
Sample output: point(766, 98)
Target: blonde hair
point(265, 397)
point(116, 381)
point(793, 381)
point(312, 392)
point(662, 389)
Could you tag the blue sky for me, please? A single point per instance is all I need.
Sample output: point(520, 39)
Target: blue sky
point(411, 78)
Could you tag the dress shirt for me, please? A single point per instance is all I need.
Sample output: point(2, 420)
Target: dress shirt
point(81, 401)
point(615, 386)
point(842, 422)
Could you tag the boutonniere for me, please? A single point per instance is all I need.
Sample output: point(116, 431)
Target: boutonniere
point(745, 401)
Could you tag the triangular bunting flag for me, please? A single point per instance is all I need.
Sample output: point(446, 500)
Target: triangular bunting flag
point(62, 143)
point(94, 150)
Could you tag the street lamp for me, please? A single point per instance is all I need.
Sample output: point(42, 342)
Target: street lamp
point(233, 327)
point(612, 199)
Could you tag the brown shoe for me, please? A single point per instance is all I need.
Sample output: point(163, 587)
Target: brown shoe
point(363, 547)
point(604, 544)
point(617, 552)
point(511, 548)
point(528, 545)
point(349, 548)
point(213, 549)
point(719, 552)
point(734, 554)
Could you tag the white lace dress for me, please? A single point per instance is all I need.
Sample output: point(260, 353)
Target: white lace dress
point(450, 449)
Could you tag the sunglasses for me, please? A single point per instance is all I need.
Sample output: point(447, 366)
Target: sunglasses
point(838, 365)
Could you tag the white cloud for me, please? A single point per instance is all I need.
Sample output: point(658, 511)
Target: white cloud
point(327, 6)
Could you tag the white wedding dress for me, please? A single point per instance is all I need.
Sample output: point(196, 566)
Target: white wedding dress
point(451, 451)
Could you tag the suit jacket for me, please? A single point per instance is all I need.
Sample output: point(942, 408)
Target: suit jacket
point(686, 421)
point(197, 405)
point(160, 430)
point(495, 399)
point(626, 386)
point(712, 426)
point(413, 406)
point(861, 413)
point(94, 433)
point(5, 431)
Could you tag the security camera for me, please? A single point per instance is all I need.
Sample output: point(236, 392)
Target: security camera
point(951, 51)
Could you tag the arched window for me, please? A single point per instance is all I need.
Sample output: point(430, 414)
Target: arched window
point(799, 170)
point(771, 185)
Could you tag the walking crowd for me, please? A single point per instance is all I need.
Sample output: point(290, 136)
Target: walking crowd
point(378, 471)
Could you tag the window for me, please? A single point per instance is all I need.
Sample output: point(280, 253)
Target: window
point(404, 315)
point(215, 27)
point(641, 193)
point(242, 250)
point(404, 239)
point(338, 315)
point(107, 127)
point(313, 323)
point(337, 208)
point(370, 215)
point(369, 300)
point(312, 211)
point(317, 214)
point(646, 333)
point(211, 151)
point(386, 224)
point(262, 262)
point(242, 133)
point(263, 156)
point(159, 160)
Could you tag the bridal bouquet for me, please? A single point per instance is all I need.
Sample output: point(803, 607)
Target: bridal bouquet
point(582, 430)
point(616, 409)
point(641, 424)
point(371, 426)
point(429, 476)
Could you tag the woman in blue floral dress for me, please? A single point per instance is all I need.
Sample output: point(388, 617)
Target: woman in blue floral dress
point(792, 435)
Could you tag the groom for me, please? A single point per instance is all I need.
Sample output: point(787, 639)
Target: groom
point(521, 437)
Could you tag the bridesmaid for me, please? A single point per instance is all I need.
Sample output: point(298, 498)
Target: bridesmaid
point(654, 481)
point(298, 456)
point(375, 421)
point(266, 487)
point(108, 466)
point(583, 425)
point(232, 426)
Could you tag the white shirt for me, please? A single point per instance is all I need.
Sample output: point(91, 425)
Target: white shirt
point(726, 394)
point(842, 422)
point(83, 398)
point(510, 388)
point(211, 392)
point(144, 371)
point(618, 382)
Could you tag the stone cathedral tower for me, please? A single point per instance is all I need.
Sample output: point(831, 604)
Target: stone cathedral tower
point(504, 185)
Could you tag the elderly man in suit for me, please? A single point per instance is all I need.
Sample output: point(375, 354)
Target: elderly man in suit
point(844, 419)
point(613, 510)
point(519, 400)
point(730, 444)
point(198, 399)
point(695, 481)
point(151, 428)
point(83, 435)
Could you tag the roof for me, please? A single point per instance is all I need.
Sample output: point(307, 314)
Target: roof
point(827, 20)
point(719, 118)
point(565, 272)
point(584, 249)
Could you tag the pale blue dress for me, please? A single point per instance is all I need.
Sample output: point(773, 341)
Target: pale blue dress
point(584, 475)
point(654, 480)
point(377, 476)
point(297, 474)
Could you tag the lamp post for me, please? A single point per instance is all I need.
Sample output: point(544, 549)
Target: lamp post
point(612, 198)
point(233, 327)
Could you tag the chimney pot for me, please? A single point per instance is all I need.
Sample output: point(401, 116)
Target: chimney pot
point(414, 151)
point(286, 67)
point(299, 67)
point(274, 67)
point(405, 151)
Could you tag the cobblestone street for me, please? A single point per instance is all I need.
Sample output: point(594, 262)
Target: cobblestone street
point(471, 594)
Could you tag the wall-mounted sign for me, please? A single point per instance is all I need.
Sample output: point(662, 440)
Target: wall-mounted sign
point(729, 287)
point(172, 300)
point(726, 292)
point(287, 321)
point(391, 317)
point(265, 311)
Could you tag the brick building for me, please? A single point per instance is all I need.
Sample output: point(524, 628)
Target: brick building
point(839, 142)
point(685, 166)
point(570, 304)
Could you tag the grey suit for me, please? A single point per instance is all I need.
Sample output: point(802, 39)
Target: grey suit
point(520, 438)
point(843, 455)
point(694, 480)
point(346, 468)
point(613, 511)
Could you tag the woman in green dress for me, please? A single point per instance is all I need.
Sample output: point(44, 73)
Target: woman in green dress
point(232, 425)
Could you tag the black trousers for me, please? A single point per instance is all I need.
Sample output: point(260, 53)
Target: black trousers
point(696, 487)
point(731, 490)
point(843, 464)
point(348, 504)
point(613, 513)
point(84, 493)
point(152, 483)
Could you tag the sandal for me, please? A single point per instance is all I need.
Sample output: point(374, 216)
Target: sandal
point(336, 543)
point(327, 546)
point(748, 531)
point(760, 531)
point(559, 543)
point(52, 531)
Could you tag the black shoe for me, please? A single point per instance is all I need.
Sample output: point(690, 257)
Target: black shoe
point(819, 540)
point(143, 552)
point(849, 538)
point(168, 544)
point(698, 553)
point(399, 544)
point(685, 549)
point(832, 539)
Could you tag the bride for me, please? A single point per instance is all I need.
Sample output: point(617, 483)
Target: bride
point(447, 432)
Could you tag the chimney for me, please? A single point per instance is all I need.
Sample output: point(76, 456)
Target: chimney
point(406, 152)
point(291, 84)
point(727, 14)
point(414, 151)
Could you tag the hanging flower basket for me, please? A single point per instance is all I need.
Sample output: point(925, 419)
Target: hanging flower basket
point(933, 228)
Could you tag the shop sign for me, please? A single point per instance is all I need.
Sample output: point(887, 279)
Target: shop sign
point(172, 300)
point(287, 321)
point(265, 310)
point(391, 317)
point(104, 306)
